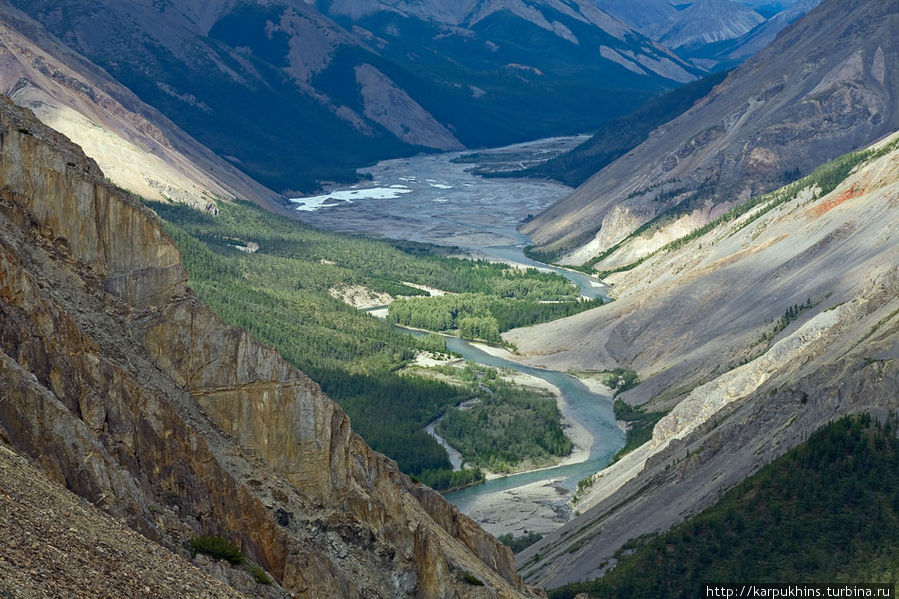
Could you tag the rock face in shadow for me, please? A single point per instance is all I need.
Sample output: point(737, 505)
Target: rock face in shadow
point(126, 389)
point(827, 85)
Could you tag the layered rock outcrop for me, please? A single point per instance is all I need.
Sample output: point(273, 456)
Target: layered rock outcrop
point(126, 389)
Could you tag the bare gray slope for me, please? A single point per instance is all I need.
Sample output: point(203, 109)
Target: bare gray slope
point(702, 324)
point(759, 37)
point(709, 21)
point(828, 84)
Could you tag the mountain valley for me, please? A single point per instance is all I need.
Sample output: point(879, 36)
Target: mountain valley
point(126, 389)
point(216, 384)
point(365, 81)
point(748, 336)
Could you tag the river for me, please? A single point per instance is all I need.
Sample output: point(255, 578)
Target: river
point(591, 410)
point(431, 198)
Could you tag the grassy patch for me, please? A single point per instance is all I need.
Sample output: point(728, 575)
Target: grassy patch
point(218, 548)
point(260, 575)
point(640, 425)
point(620, 380)
point(519, 544)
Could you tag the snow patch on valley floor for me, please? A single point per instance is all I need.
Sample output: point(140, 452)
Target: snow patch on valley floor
point(312, 203)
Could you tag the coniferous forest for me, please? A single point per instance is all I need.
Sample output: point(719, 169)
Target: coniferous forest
point(827, 511)
point(281, 293)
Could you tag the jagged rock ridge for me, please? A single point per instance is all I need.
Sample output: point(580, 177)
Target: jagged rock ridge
point(122, 386)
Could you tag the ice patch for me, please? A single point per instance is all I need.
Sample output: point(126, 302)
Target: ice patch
point(436, 185)
point(313, 203)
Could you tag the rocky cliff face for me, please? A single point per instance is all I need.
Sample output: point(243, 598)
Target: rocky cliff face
point(121, 386)
point(748, 338)
point(826, 86)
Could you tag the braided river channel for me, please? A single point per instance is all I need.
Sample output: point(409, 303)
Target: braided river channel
point(434, 198)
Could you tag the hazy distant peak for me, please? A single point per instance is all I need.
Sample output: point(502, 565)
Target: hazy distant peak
point(709, 21)
point(443, 11)
point(466, 13)
point(649, 17)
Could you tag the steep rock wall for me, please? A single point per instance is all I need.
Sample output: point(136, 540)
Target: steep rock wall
point(129, 391)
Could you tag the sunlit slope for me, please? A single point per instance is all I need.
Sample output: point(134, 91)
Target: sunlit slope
point(750, 336)
point(138, 148)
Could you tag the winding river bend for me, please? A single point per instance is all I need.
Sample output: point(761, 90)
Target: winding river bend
point(433, 199)
point(591, 410)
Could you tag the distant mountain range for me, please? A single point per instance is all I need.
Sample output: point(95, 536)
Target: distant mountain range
point(294, 93)
point(715, 34)
point(708, 21)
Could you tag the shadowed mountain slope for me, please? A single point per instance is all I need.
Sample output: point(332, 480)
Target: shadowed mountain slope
point(293, 98)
